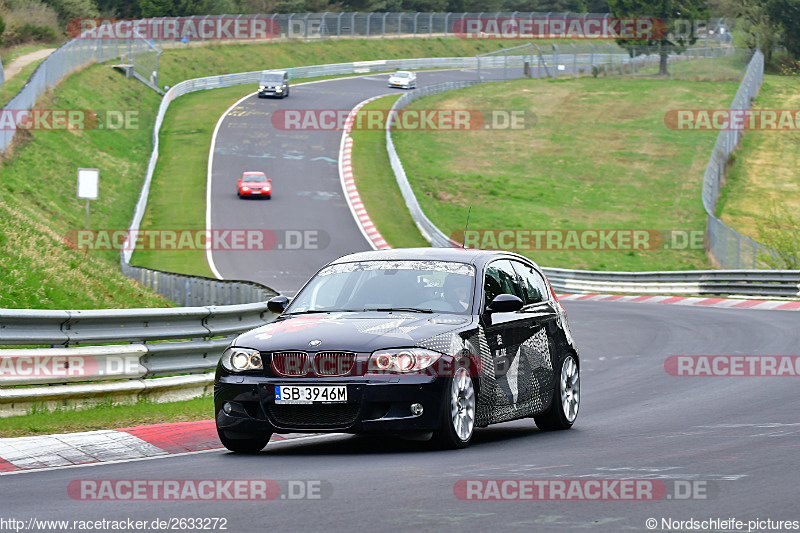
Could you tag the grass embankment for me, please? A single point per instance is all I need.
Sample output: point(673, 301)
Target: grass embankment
point(764, 174)
point(11, 87)
point(599, 157)
point(37, 191)
point(38, 204)
point(106, 416)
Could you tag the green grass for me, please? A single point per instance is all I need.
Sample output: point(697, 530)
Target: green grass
point(765, 168)
point(178, 190)
point(11, 87)
point(39, 208)
point(106, 416)
point(377, 185)
point(599, 157)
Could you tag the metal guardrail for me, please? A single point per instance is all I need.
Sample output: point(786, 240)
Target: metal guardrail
point(197, 290)
point(761, 283)
point(164, 342)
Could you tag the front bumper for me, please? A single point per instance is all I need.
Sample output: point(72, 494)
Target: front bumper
point(255, 193)
point(271, 92)
point(374, 405)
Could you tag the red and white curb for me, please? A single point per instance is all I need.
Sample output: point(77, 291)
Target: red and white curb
point(139, 442)
point(360, 214)
point(728, 303)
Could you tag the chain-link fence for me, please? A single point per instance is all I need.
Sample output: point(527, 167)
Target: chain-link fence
point(73, 55)
point(533, 60)
point(729, 248)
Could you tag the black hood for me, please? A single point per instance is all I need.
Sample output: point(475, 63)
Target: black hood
point(361, 332)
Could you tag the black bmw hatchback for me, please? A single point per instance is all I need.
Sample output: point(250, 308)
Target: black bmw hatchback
point(421, 342)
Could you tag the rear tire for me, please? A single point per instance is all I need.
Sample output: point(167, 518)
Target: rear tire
point(458, 412)
point(252, 444)
point(563, 408)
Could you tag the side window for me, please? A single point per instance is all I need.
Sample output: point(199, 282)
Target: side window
point(534, 287)
point(500, 279)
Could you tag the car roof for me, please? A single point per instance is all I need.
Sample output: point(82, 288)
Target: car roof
point(275, 72)
point(251, 172)
point(460, 255)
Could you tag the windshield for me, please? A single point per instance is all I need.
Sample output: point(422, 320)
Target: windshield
point(438, 286)
point(401, 74)
point(271, 78)
point(254, 177)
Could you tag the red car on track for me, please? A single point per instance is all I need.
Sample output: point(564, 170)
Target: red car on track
point(254, 184)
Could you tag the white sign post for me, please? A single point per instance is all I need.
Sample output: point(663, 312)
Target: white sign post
point(87, 187)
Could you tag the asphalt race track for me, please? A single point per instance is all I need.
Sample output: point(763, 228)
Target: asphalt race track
point(307, 192)
point(738, 436)
point(734, 440)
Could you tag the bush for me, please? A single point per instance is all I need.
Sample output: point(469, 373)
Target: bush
point(28, 20)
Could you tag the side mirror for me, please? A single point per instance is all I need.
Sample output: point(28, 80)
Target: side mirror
point(278, 304)
point(269, 180)
point(505, 303)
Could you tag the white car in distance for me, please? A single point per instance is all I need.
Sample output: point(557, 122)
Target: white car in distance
point(403, 79)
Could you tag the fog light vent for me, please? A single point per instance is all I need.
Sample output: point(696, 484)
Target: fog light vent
point(416, 408)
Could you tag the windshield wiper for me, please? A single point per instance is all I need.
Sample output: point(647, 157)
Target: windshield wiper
point(410, 309)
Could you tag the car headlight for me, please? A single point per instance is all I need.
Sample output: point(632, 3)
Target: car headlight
point(278, 89)
point(402, 360)
point(241, 359)
point(262, 87)
point(245, 188)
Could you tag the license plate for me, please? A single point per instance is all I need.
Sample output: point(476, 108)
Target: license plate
point(256, 192)
point(310, 394)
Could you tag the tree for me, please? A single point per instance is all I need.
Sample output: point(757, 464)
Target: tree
point(787, 15)
point(678, 16)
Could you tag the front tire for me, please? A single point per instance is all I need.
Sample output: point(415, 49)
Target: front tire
point(247, 444)
point(563, 408)
point(458, 412)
